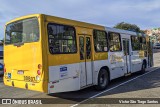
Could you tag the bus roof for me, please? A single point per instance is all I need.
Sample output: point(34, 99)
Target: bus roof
point(124, 31)
point(76, 23)
point(59, 19)
point(73, 22)
point(23, 17)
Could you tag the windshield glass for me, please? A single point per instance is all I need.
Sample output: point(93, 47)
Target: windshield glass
point(23, 31)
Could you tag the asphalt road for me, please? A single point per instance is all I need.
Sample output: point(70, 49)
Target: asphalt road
point(1, 72)
point(134, 86)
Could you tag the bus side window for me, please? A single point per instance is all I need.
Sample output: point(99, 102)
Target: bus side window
point(81, 47)
point(62, 39)
point(143, 43)
point(88, 48)
point(115, 42)
point(135, 43)
point(124, 47)
point(100, 41)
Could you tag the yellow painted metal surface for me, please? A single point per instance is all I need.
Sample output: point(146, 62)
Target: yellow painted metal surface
point(25, 58)
point(28, 56)
point(101, 56)
point(82, 28)
point(141, 54)
point(53, 19)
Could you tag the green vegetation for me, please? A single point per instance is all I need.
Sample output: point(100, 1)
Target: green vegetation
point(128, 26)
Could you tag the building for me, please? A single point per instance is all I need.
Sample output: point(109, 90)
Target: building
point(154, 34)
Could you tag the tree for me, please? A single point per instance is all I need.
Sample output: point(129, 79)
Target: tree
point(128, 26)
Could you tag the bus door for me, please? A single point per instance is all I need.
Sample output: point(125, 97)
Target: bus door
point(127, 55)
point(85, 60)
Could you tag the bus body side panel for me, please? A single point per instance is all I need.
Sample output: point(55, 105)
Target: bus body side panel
point(116, 64)
point(63, 78)
point(98, 64)
point(136, 60)
point(100, 60)
point(116, 61)
point(127, 59)
point(44, 53)
point(65, 70)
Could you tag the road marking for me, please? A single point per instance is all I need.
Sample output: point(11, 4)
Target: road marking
point(114, 87)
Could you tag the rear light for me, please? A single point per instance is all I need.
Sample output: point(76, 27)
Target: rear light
point(4, 69)
point(38, 72)
point(37, 78)
point(39, 66)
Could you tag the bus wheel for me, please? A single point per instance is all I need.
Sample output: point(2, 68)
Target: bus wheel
point(103, 80)
point(143, 69)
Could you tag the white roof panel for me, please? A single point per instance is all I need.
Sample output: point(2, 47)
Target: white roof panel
point(108, 29)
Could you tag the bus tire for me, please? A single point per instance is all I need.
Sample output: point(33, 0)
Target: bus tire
point(103, 80)
point(143, 69)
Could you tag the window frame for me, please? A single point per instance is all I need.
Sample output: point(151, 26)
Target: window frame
point(50, 23)
point(106, 34)
point(86, 47)
point(83, 48)
point(119, 41)
point(39, 28)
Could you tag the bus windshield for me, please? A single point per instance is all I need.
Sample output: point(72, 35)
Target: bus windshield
point(22, 31)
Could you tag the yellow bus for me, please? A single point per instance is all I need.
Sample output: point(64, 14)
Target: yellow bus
point(52, 54)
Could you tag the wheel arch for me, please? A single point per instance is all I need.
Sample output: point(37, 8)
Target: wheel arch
point(107, 69)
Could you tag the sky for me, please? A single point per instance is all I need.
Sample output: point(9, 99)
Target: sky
point(144, 13)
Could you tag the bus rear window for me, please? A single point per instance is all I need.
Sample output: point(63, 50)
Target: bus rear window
point(22, 31)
